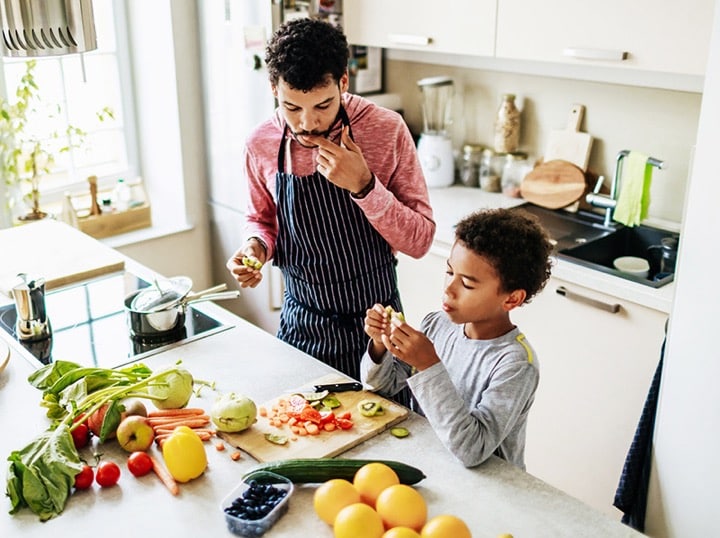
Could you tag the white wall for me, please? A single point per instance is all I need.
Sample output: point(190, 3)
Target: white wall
point(167, 78)
point(684, 486)
point(661, 123)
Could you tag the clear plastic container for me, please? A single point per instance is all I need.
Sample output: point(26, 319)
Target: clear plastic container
point(257, 527)
point(122, 195)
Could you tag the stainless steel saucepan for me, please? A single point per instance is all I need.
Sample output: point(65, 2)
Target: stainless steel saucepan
point(154, 312)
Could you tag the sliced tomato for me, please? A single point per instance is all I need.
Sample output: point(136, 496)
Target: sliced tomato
point(327, 417)
point(347, 415)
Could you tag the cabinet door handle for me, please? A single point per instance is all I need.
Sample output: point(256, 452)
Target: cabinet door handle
point(613, 308)
point(410, 39)
point(596, 54)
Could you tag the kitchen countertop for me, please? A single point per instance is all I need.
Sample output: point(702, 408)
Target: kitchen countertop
point(492, 498)
point(453, 203)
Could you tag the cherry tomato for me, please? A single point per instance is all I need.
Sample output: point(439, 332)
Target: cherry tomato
point(107, 474)
point(81, 435)
point(139, 463)
point(84, 479)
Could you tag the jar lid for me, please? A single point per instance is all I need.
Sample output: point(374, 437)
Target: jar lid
point(473, 148)
point(516, 156)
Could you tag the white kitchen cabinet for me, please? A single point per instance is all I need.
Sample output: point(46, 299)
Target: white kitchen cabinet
point(595, 371)
point(664, 36)
point(459, 27)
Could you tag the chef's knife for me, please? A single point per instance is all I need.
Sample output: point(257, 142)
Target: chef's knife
point(338, 387)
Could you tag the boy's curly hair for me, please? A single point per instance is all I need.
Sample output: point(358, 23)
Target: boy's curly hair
point(303, 52)
point(514, 243)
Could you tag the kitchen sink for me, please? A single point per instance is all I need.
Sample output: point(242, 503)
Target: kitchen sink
point(569, 229)
point(581, 238)
point(639, 241)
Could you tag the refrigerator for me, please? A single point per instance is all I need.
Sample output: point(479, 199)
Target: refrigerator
point(237, 98)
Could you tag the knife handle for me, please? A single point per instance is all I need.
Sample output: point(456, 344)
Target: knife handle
point(339, 387)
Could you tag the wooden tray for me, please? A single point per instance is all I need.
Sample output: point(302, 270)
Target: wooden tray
point(325, 444)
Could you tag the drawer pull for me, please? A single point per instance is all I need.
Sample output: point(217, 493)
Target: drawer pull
point(410, 39)
point(613, 308)
point(596, 54)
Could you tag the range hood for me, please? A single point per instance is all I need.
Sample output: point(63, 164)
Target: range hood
point(47, 27)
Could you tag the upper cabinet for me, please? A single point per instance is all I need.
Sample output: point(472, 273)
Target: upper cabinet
point(459, 27)
point(649, 35)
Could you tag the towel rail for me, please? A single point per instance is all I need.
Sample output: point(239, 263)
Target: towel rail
point(609, 202)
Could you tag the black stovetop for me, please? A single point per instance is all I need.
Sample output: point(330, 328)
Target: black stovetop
point(90, 325)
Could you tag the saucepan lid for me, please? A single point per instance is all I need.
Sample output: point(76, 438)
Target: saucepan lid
point(163, 294)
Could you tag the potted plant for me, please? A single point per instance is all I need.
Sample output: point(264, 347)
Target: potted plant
point(24, 157)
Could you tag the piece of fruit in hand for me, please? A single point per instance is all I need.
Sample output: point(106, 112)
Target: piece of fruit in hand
point(252, 262)
point(391, 314)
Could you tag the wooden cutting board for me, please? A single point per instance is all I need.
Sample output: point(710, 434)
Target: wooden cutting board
point(553, 184)
point(55, 251)
point(569, 144)
point(325, 444)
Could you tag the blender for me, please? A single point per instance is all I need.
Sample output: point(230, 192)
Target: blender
point(434, 146)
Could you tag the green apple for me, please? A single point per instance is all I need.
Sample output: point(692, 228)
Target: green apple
point(133, 406)
point(135, 433)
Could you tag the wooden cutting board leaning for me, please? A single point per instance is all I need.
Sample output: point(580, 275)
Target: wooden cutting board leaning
point(62, 256)
point(553, 184)
point(325, 444)
point(569, 144)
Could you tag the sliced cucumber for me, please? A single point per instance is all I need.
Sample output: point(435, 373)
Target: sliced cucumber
point(399, 432)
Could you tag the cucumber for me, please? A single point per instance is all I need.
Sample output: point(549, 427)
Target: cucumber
point(317, 470)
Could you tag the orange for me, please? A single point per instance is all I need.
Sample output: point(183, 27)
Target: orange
point(372, 478)
point(358, 521)
point(401, 506)
point(445, 526)
point(400, 532)
point(333, 496)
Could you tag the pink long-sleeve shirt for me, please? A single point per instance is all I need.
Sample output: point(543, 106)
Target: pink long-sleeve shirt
point(398, 207)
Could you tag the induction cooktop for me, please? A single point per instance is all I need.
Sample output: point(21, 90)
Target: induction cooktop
point(90, 325)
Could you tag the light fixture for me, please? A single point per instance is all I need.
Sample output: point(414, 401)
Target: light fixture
point(47, 27)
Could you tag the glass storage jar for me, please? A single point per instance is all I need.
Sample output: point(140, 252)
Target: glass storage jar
point(514, 171)
point(489, 172)
point(470, 165)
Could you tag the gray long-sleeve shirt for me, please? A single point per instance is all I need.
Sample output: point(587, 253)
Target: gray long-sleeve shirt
point(477, 398)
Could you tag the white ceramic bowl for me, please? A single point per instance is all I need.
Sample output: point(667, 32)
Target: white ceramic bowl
point(632, 265)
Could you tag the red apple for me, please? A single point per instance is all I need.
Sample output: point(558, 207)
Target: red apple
point(95, 422)
point(135, 434)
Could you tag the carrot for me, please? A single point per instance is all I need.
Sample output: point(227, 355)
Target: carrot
point(312, 429)
point(189, 422)
point(165, 476)
point(186, 418)
point(235, 456)
point(204, 436)
point(219, 446)
point(176, 412)
point(161, 431)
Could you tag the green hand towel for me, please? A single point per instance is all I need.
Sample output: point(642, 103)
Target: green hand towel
point(634, 198)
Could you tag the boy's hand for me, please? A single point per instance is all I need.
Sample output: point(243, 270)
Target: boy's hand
point(409, 345)
point(376, 325)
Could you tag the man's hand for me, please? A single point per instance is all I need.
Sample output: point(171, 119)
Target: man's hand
point(343, 165)
point(242, 264)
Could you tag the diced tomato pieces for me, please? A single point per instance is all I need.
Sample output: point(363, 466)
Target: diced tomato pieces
point(310, 414)
point(343, 423)
point(327, 417)
point(347, 415)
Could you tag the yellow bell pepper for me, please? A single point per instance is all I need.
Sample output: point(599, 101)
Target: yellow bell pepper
point(184, 454)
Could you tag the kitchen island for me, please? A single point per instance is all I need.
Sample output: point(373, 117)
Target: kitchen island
point(492, 498)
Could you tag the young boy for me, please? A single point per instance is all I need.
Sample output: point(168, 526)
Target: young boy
point(471, 370)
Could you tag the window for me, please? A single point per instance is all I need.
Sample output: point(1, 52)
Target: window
point(90, 92)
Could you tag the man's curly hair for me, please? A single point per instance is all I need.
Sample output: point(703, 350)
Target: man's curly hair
point(514, 243)
point(304, 52)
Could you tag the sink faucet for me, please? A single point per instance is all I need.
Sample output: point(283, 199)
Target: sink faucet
point(606, 202)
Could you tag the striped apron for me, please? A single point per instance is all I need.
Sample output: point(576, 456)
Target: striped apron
point(335, 266)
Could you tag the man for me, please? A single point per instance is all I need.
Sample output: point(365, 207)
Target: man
point(336, 189)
